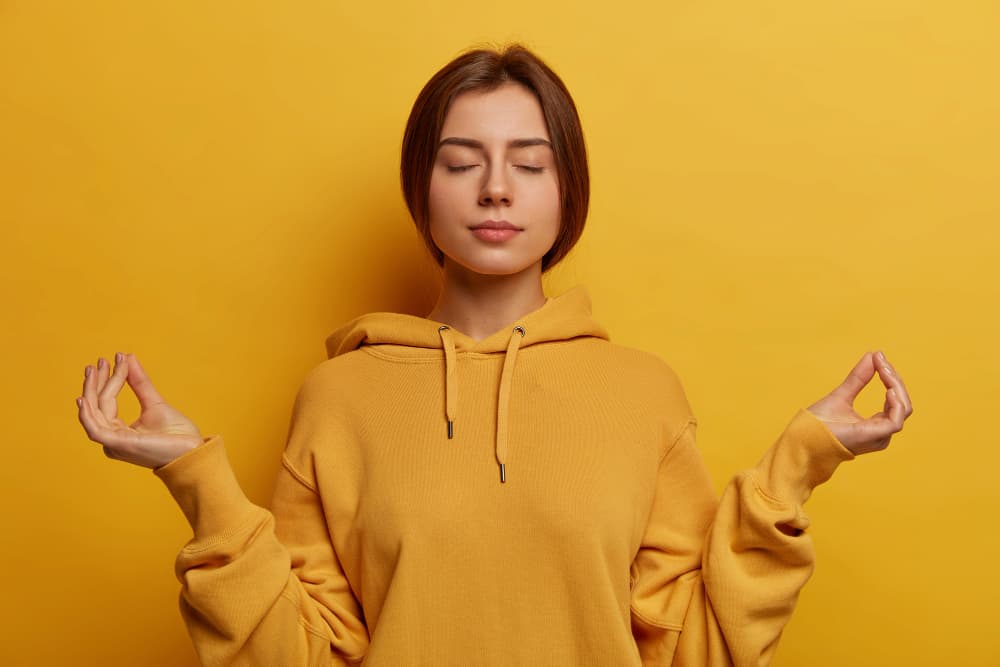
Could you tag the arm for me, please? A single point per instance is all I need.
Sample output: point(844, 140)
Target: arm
point(256, 591)
point(258, 588)
point(716, 584)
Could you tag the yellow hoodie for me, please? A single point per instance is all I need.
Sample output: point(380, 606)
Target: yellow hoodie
point(533, 498)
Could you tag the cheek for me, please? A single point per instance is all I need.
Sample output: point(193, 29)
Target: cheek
point(440, 199)
point(440, 212)
point(550, 201)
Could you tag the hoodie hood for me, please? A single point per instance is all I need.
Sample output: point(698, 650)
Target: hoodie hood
point(558, 319)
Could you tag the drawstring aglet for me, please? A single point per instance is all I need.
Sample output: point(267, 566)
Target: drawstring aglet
point(503, 472)
point(451, 429)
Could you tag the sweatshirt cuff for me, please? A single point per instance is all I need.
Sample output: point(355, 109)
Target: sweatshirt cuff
point(805, 455)
point(204, 485)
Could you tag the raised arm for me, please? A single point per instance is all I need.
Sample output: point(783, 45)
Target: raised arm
point(255, 590)
point(716, 583)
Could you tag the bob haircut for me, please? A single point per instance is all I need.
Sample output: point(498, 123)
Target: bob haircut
point(484, 70)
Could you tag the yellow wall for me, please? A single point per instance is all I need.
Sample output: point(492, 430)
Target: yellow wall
point(778, 186)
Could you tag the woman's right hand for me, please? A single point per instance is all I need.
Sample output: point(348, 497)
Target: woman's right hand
point(157, 437)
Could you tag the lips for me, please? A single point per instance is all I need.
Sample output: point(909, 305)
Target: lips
point(495, 231)
point(496, 224)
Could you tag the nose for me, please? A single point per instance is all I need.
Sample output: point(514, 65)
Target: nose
point(496, 188)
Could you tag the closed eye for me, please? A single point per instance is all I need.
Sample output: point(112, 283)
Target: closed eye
point(530, 168)
point(459, 168)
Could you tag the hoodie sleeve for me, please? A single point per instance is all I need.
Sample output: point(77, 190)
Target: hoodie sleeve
point(260, 587)
point(714, 583)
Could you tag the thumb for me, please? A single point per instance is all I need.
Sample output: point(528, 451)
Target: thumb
point(856, 380)
point(141, 384)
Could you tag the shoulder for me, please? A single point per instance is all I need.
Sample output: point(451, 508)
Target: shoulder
point(639, 373)
point(328, 389)
point(321, 421)
point(346, 373)
point(643, 361)
point(646, 366)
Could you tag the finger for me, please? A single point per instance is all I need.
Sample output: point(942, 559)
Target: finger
point(97, 427)
point(892, 409)
point(107, 397)
point(141, 384)
point(901, 391)
point(856, 380)
point(86, 418)
point(876, 431)
point(90, 385)
point(101, 376)
point(897, 412)
point(891, 379)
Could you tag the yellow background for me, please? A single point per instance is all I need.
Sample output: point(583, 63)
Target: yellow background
point(778, 186)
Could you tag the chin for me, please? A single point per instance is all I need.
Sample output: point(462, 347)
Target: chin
point(494, 266)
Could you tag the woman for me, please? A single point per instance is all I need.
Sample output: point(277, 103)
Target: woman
point(496, 483)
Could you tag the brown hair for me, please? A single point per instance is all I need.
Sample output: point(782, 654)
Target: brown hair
point(486, 69)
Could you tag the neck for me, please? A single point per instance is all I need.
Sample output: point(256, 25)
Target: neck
point(478, 305)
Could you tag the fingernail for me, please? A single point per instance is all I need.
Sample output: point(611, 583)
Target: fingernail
point(79, 402)
point(86, 371)
point(118, 357)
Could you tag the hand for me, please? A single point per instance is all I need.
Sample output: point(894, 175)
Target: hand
point(161, 433)
point(856, 433)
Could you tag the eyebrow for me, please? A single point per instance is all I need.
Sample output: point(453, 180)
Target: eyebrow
point(513, 143)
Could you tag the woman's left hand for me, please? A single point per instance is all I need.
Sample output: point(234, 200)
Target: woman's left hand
point(860, 435)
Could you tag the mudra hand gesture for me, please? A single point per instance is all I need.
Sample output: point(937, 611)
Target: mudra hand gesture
point(860, 435)
point(161, 433)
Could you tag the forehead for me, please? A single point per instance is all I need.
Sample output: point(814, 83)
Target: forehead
point(510, 111)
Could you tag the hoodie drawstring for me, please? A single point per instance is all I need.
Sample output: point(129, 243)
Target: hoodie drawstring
point(450, 371)
point(503, 400)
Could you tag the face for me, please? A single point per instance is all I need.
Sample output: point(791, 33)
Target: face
point(494, 193)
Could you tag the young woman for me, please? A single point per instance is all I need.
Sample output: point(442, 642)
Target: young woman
point(495, 483)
